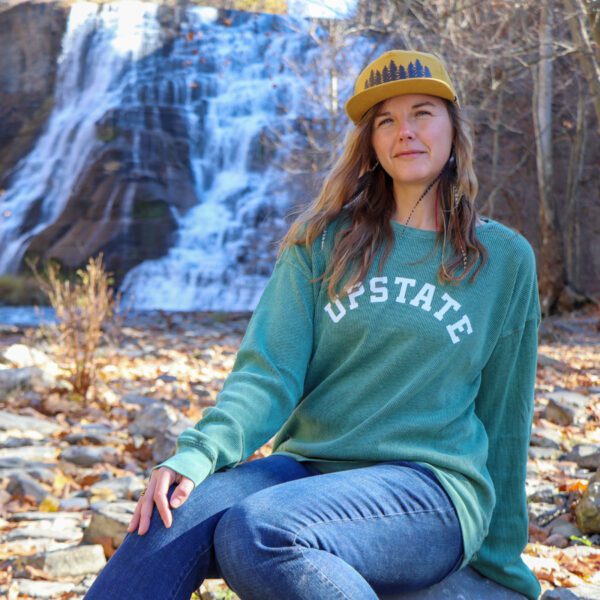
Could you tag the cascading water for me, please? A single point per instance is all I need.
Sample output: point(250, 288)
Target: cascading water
point(100, 44)
point(202, 270)
point(222, 87)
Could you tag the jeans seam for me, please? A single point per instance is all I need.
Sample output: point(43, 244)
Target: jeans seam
point(193, 560)
point(320, 573)
point(332, 521)
point(361, 518)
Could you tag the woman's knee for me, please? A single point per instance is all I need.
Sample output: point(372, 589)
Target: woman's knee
point(247, 529)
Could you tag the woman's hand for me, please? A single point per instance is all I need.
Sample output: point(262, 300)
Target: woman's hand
point(156, 493)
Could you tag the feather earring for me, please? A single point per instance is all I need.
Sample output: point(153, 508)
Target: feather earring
point(456, 198)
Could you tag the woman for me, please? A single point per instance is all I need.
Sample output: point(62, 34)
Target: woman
point(393, 353)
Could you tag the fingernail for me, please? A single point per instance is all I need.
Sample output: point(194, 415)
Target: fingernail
point(176, 502)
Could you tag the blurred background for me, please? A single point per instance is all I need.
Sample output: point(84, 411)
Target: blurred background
point(175, 137)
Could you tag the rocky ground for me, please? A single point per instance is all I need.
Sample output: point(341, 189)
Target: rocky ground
point(70, 473)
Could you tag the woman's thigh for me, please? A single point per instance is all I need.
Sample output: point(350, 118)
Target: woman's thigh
point(170, 563)
point(393, 523)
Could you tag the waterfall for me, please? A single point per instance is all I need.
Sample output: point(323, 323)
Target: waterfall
point(89, 83)
point(248, 88)
point(228, 91)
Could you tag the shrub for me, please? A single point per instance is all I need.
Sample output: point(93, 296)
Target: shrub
point(83, 306)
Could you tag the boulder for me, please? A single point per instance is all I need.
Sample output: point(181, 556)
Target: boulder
point(108, 526)
point(10, 421)
point(559, 594)
point(27, 455)
point(466, 584)
point(42, 589)
point(587, 511)
point(60, 530)
point(587, 456)
point(88, 456)
point(125, 488)
point(21, 484)
point(155, 419)
point(581, 592)
point(21, 356)
point(559, 413)
point(70, 562)
point(26, 378)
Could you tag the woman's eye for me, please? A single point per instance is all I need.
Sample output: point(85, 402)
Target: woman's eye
point(423, 113)
point(384, 121)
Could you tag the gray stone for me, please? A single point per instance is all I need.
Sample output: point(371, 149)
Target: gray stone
point(88, 456)
point(587, 456)
point(574, 399)
point(74, 503)
point(556, 539)
point(466, 584)
point(155, 419)
point(587, 511)
point(91, 437)
point(581, 592)
point(540, 509)
point(108, 525)
point(71, 562)
point(14, 462)
point(42, 589)
point(559, 594)
point(26, 454)
point(28, 546)
point(542, 492)
point(138, 400)
point(25, 439)
point(47, 516)
point(61, 530)
point(164, 446)
point(537, 453)
point(24, 356)
point(123, 487)
point(21, 484)
point(564, 528)
point(540, 440)
point(559, 413)
point(554, 434)
point(26, 378)
point(10, 421)
point(544, 360)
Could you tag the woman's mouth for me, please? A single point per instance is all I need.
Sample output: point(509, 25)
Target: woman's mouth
point(409, 154)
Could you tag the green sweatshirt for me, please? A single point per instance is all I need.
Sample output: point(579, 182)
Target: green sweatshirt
point(404, 368)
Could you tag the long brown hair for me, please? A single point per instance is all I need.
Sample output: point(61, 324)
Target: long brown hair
point(367, 194)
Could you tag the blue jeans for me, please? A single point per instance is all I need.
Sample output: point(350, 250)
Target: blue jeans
point(274, 528)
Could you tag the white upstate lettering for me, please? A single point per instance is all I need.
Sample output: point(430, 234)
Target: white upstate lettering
point(425, 299)
point(379, 292)
point(353, 293)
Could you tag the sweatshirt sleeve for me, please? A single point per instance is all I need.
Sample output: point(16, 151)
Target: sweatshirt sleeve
point(504, 404)
point(267, 379)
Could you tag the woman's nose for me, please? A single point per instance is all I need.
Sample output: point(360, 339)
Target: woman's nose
point(405, 131)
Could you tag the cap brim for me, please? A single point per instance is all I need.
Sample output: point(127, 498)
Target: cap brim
point(359, 104)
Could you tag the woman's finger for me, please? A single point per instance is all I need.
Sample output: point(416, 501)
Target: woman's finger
point(182, 492)
point(164, 479)
point(146, 506)
point(135, 520)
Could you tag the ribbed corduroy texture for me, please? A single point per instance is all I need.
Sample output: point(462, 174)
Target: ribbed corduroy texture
point(403, 369)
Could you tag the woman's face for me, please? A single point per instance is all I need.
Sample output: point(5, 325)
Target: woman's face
point(412, 138)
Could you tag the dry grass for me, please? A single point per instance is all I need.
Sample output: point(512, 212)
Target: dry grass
point(83, 307)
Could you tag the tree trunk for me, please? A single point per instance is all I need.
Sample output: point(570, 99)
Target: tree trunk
point(552, 268)
point(587, 49)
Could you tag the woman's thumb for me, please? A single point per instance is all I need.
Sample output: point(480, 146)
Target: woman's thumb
point(182, 491)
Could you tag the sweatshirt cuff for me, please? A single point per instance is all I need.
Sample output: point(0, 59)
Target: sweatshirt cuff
point(191, 464)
